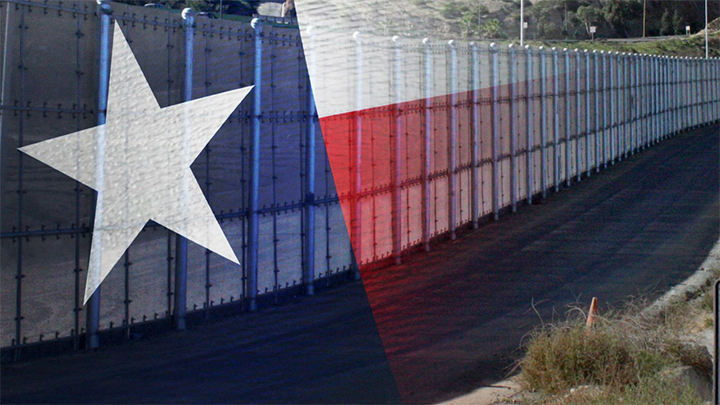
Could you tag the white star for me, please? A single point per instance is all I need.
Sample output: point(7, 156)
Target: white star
point(139, 164)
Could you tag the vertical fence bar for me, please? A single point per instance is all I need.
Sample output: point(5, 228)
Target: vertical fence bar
point(613, 106)
point(568, 132)
point(676, 94)
point(690, 85)
point(605, 127)
point(660, 96)
point(556, 119)
point(670, 100)
point(714, 88)
point(427, 146)
point(543, 122)
point(684, 111)
point(254, 192)
point(93, 304)
point(642, 101)
point(690, 91)
point(397, 156)
point(654, 103)
point(623, 104)
point(703, 89)
point(650, 101)
point(529, 122)
point(680, 115)
point(181, 243)
point(475, 158)
point(20, 190)
point(309, 205)
point(633, 103)
point(663, 98)
point(693, 91)
point(495, 130)
point(578, 112)
point(357, 159)
point(588, 167)
point(665, 94)
point(596, 88)
point(452, 146)
point(637, 102)
point(680, 93)
point(513, 127)
point(77, 270)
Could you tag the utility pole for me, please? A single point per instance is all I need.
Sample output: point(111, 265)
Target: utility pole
point(522, 20)
point(565, 21)
point(644, 15)
point(707, 28)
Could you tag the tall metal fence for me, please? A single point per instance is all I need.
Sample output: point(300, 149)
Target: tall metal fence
point(509, 125)
point(51, 55)
point(444, 134)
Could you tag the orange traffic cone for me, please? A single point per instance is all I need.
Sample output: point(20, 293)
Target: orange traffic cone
point(591, 313)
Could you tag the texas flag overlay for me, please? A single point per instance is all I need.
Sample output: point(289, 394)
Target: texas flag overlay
point(202, 203)
point(139, 163)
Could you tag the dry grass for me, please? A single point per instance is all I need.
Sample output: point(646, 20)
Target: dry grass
point(619, 360)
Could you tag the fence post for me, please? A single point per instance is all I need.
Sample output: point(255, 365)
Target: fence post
point(663, 97)
point(623, 103)
point(475, 182)
point(588, 167)
point(682, 101)
point(716, 86)
point(427, 143)
point(596, 91)
point(556, 118)
point(92, 306)
point(181, 243)
point(513, 128)
point(253, 225)
point(651, 99)
point(666, 98)
point(578, 113)
point(529, 122)
point(357, 164)
point(568, 161)
point(613, 106)
point(543, 122)
point(397, 156)
point(309, 205)
point(633, 103)
point(654, 87)
point(605, 108)
point(689, 92)
point(642, 102)
point(495, 131)
point(671, 93)
point(678, 94)
point(452, 147)
point(701, 80)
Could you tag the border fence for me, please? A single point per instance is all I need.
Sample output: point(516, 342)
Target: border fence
point(509, 126)
point(51, 54)
point(458, 131)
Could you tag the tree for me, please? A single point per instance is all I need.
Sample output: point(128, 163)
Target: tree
point(677, 23)
point(623, 15)
point(491, 28)
point(666, 27)
point(548, 15)
point(589, 15)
